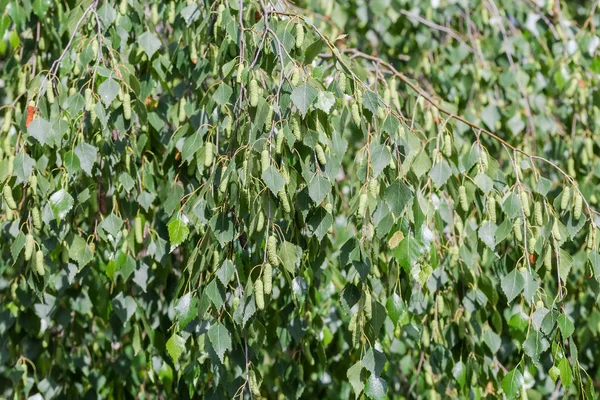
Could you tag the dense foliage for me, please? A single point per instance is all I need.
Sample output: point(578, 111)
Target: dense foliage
point(384, 198)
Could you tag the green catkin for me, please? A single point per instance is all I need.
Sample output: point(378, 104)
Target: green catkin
point(240, 73)
point(208, 154)
point(253, 93)
point(307, 353)
point(253, 383)
point(279, 142)
point(154, 13)
point(359, 97)
point(22, 84)
point(299, 35)
point(484, 159)
point(33, 184)
point(265, 160)
point(36, 219)
point(329, 208)
point(269, 119)
point(458, 223)
point(8, 197)
point(548, 258)
point(7, 120)
point(182, 104)
point(589, 148)
point(259, 294)
point(539, 215)
point(441, 305)
point(10, 166)
point(342, 82)
point(525, 203)
point(356, 114)
point(193, 52)
point(72, 91)
point(492, 209)
point(353, 322)
point(428, 124)
point(171, 13)
point(578, 206)
point(462, 196)
point(295, 78)
point(93, 115)
point(566, 197)
point(260, 222)
point(362, 204)
point(517, 229)
point(272, 250)
point(39, 263)
point(88, 99)
point(49, 92)
point(29, 243)
point(368, 306)
point(380, 113)
point(64, 253)
point(123, 7)
point(138, 229)
point(95, 47)
point(127, 106)
point(320, 154)
point(285, 204)
point(556, 231)
point(267, 278)
point(215, 260)
point(447, 145)
point(223, 184)
point(296, 129)
point(571, 167)
point(531, 244)
point(373, 186)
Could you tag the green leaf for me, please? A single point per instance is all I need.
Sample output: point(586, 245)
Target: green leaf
point(353, 375)
point(440, 173)
point(512, 383)
point(87, 156)
point(178, 231)
point(565, 325)
point(149, 42)
point(108, 90)
point(513, 284)
point(112, 224)
point(222, 94)
point(220, 338)
point(492, 340)
point(289, 254)
point(175, 347)
point(397, 196)
point(124, 306)
point(371, 101)
point(186, 310)
point(41, 130)
point(487, 234)
point(23, 166)
point(376, 388)
point(273, 179)
point(61, 203)
point(380, 158)
point(318, 188)
point(325, 101)
point(303, 96)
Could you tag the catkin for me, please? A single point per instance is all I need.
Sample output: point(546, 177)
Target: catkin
point(208, 154)
point(181, 115)
point(127, 106)
point(285, 204)
point(539, 215)
point(39, 263)
point(29, 243)
point(356, 114)
point(458, 223)
point(49, 92)
point(299, 35)
point(296, 129)
point(253, 89)
point(7, 120)
point(36, 219)
point(8, 197)
point(373, 185)
point(320, 154)
point(269, 119)
point(265, 160)
point(447, 145)
point(279, 142)
point(253, 382)
point(240, 73)
point(556, 231)
point(362, 204)
point(272, 250)
point(259, 294)
point(342, 82)
point(368, 306)
point(462, 195)
point(525, 203)
point(517, 229)
point(215, 260)
point(267, 278)
point(295, 79)
point(492, 209)
point(548, 257)
point(260, 222)
point(566, 196)
point(138, 229)
point(578, 206)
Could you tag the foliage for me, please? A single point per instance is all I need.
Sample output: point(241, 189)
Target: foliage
point(358, 198)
